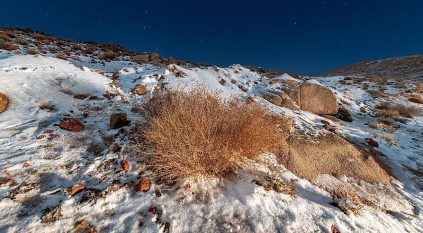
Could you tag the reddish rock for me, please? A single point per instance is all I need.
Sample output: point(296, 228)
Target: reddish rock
point(48, 131)
point(250, 100)
point(83, 226)
point(71, 124)
point(273, 81)
point(4, 102)
point(362, 109)
point(76, 188)
point(333, 229)
point(334, 130)
point(10, 47)
point(7, 182)
point(125, 165)
point(372, 142)
point(144, 185)
point(25, 165)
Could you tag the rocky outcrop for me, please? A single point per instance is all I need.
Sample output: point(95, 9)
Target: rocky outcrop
point(317, 99)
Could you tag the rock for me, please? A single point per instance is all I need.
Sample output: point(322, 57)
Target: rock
point(272, 98)
point(292, 88)
point(83, 226)
point(326, 123)
point(51, 215)
point(71, 124)
point(250, 100)
point(10, 47)
point(25, 165)
point(415, 98)
point(139, 89)
point(363, 110)
point(119, 120)
point(286, 101)
point(125, 165)
point(334, 130)
point(372, 142)
point(4, 102)
point(144, 185)
point(333, 229)
point(317, 99)
point(7, 182)
point(222, 82)
point(116, 148)
point(75, 189)
point(344, 114)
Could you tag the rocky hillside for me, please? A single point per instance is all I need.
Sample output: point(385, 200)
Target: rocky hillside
point(350, 157)
point(399, 68)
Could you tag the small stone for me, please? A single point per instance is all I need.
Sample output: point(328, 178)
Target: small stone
point(125, 165)
point(119, 120)
point(334, 130)
point(333, 229)
point(362, 109)
point(71, 124)
point(140, 90)
point(25, 165)
point(83, 226)
point(326, 123)
point(250, 100)
point(51, 215)
point(372, 142)
point(76, 188)
point(144, 185)
point(4, 102)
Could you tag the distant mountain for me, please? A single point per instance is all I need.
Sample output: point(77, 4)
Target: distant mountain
point(402, 68)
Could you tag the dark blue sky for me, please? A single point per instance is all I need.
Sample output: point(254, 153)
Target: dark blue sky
point(307, 37)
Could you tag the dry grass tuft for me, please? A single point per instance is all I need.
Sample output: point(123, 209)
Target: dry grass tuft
point(108, 55)
point(193, 135)
point(347, 200)
point(389, 138)
point(395, 111)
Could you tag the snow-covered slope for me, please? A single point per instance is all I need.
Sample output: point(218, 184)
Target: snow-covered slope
point(44, 160)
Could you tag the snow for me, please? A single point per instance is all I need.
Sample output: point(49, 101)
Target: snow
point(232, 205)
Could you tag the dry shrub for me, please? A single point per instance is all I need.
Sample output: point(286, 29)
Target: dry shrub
point(347, 200)
point(195, 134)
point(32, 51)
point(21, 41)
point(395, 111)
point(401, 84)
point(90, 49)
point(310, 157)
point(389, 138)
point(5, 37)
point(108, 55)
